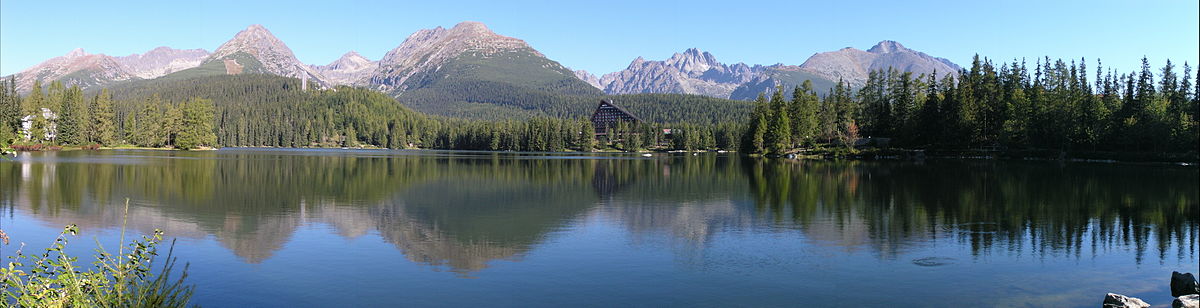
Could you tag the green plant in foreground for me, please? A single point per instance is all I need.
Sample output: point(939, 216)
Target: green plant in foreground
point(52, 279)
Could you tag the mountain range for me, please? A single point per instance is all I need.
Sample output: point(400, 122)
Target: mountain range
point(442, 70)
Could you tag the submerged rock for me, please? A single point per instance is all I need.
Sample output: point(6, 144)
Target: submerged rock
point(1113, 300)
point(1186, 301)
point(1183, 284)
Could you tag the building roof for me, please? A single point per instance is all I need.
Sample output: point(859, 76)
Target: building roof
point(614, 105)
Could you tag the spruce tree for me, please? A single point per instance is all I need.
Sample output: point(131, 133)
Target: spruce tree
point(779, 129)
point(754, 140)
point(196, 125)
point(10, 108)
point(103, 119)
point(72, 120)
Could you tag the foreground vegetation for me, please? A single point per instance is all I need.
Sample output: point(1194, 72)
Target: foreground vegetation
point(126, 279)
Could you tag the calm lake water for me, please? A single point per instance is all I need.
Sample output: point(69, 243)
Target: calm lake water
point(350, 228)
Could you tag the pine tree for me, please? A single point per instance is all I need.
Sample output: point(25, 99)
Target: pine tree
point(754, 141)
point(34, 100)
point(587, 136)
point(805, 125)
point(779, 129)
point(929, 118)
point(196, 125)
point(73, 118)
point(10, 106)
point(951, 113)
point(103, 119)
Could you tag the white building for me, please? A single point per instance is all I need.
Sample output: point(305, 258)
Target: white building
point(51, 129)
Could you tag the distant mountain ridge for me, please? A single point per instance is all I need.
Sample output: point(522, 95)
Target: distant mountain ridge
point(347, 70)
point(469, 66)
point(698, 72)
point(690, 72)
point(79, 68)
point(853, 65)
point(161, 61)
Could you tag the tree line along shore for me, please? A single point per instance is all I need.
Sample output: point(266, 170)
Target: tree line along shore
point(1046, 109)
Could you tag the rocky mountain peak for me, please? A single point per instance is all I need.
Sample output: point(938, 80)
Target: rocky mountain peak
point(589, 78)
point(351, 58)
point(161, 61)
point(350, 69)
point(691, 72)
point(474, 27)
point(77, 52)
point(693, 59)
point(887, 46)
point(254, 40)
point(853, 65)
point(427, 49)
point(76, 68)
point(276, 58)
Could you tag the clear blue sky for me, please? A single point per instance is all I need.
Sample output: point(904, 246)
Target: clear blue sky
point(604, 36)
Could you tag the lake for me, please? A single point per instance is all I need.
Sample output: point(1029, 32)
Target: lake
point(369, 228)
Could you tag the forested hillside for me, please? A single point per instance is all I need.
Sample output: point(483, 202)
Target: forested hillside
point(268, 110)
point(1050, 105)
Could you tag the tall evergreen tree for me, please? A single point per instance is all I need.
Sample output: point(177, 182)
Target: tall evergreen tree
point(73, 119)
point(10, 105)
point(779, 129)
point(103, 119)
point(196, 125)
point(754, 141)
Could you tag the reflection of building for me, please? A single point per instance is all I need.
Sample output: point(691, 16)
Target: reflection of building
point(607, 116)
point(45, 125)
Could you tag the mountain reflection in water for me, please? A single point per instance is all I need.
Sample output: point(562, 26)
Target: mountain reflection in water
point(462, 211)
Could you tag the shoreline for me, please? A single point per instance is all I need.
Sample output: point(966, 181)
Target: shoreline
point(1150, 158)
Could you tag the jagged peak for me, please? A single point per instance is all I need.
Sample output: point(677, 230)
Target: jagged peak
point(77, 52)
point(255, 32)
point(354, 55)
point(694, 55)
point(887, 46)
point(351, 58)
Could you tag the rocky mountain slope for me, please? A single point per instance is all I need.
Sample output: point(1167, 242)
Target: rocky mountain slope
point(697, 72)
point(161, 61)
point(589, 78)
point(76, 68)
point(272, 55)
point(690, 72)
point(853, 65)
point(350, 69)
point(470, 71)
point(469, 66)
point(427, 51)
point(787, 76)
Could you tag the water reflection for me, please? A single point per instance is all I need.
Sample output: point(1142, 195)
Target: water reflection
point(461, 211)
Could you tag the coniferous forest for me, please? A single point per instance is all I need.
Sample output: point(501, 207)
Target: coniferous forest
point(1056, 105)
point(1050, 104)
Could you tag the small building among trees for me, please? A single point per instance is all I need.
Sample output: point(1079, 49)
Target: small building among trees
point(40, 125)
